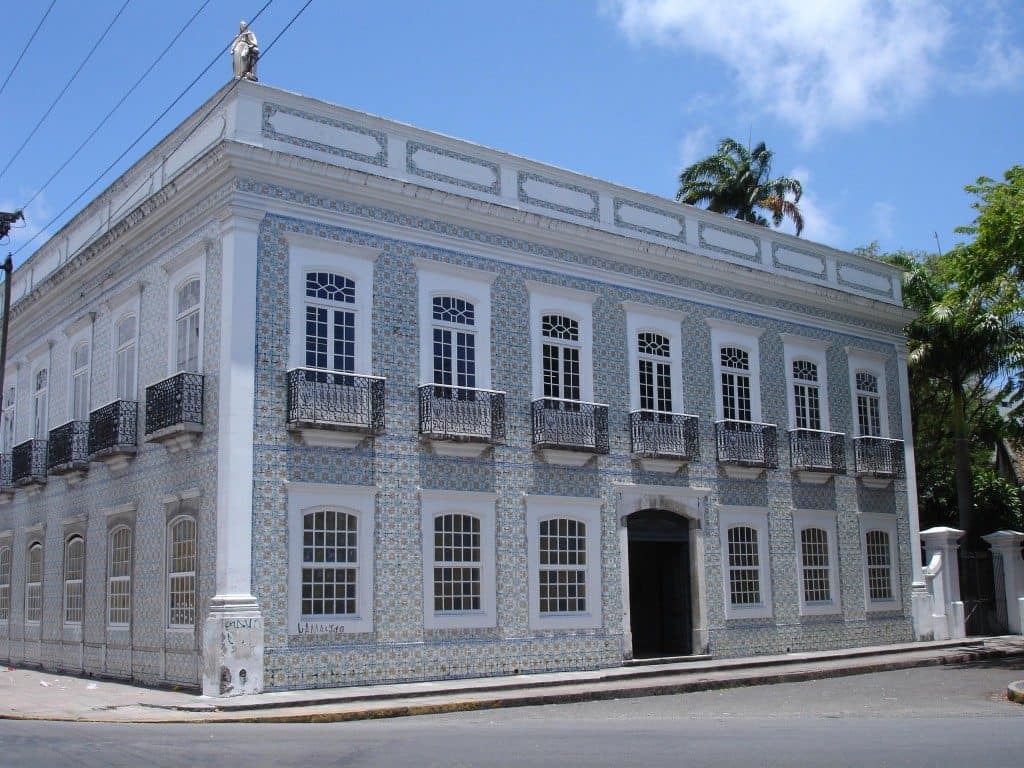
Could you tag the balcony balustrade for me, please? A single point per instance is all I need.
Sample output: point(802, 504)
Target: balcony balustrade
point(746, 448)
point(664, 441)
point(816, 455)
point(68, 450)
point(569, 432)
point(113, 433)
point(28, 463)
point(334, 408)
point(461, 421)
point(877, 460)
point(174, 411)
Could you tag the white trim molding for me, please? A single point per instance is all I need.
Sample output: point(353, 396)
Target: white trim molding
point(824, 520)
point(880, 521)
point(578, 305)
point(874, 363)
point(755, 518)
point(747, 338)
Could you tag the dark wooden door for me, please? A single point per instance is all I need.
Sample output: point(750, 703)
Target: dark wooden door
point(659, 585)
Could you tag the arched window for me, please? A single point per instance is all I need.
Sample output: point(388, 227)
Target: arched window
point(806, 395)
point(125, 358)
point(330, 322)
point(5, 583)
point(814, 558)
point(181, 573)
point(457, 563)
point(186, 326)
point(869, 412)
point(735, 383)
point(74, 571)
point(80, 382)
point(654, 359)
point(560, 355)
point(563, 566)
point(744, 564)
point(119, 577)
point(454, 339)
point(34, 583)
point(40, 386)
point(330, 564)
point(879, 563)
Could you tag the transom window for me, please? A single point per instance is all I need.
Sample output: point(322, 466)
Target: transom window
point(125, 358)
point(563, 566)
point(560, 355)
point(879, 563)
point(454, 340)
point(329, 563)
point(80, 382)
point(186, 327)
point(806, 395)
point(34, 583)
point(119, 577)
point(814, 556)
point(5, 583)
point(735, 383)
point(330, 322)
point(457, 563)
point(869, 412)
point(74, 570)
point(181, 575)
point(40, 386)
point(744, 566)
point(655, 372)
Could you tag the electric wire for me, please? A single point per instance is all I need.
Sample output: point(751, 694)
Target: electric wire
point(140, 137)
point(67, 85)
point(25, 49)
point(117, 106)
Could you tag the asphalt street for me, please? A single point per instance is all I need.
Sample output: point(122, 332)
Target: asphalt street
point(934, 716)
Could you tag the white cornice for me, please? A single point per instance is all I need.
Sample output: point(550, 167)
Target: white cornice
point(325, 245)
point(80, 324)
point(128, 508)
point(727, 325)
point(455, 270)
point(437, 494)
point(794, 340)
point(560, 291)
point(868, 354)
point(638, 308)
point(132, 290)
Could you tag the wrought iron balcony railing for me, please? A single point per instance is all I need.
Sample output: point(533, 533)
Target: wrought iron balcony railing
point(175, 401)
point(814, 450)
point(113, 428)
point(657, 434)
point(462, 413)
point(878, 457)
point(68, 448)
point(747, 443)
point(335, 400)
point(28, 463)
point(570, 425)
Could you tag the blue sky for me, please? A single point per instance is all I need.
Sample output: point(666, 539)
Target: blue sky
point(884, 109)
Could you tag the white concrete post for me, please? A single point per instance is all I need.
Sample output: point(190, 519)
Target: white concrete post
point(1007, 544)
point(947, 608)
point(233, 634)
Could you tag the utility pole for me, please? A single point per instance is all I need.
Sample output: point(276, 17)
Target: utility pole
point(6, 220)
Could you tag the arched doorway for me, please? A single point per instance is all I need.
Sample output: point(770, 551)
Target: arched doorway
point(659, 584)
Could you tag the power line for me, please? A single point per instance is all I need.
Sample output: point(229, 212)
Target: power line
point(25, 49)
point(66, 86)
point(117, 106)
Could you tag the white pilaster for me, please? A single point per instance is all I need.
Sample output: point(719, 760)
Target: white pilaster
point(947, 610)
point(1007, 544)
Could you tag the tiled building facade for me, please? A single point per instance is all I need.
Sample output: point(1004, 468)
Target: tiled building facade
point(461, 414)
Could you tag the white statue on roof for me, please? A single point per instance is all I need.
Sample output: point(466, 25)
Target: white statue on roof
point(245, 51)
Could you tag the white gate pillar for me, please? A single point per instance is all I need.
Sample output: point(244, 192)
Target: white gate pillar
point(942, 574)
point(1007, 544)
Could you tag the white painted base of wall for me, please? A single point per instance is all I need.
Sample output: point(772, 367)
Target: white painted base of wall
point(233, 648)
point(565, 458)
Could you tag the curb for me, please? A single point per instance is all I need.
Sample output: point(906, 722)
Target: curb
point(1015, 691)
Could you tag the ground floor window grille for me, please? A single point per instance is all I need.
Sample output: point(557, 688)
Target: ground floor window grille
point(119, 583)
point(816, 573)
point(744, 566)
point(563, 566)
point(34, 584)
point(879, 565)
point(181, 577)
point(74, 566)
point(329, 563)
point(456, 563)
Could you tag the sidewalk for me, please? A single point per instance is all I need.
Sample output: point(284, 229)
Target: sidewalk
point(35, 695)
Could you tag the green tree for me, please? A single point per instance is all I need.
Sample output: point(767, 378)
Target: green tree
point(737, 181)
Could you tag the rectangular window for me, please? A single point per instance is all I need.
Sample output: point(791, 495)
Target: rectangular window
point(8, 416)
point(80, 383)
point(746, 572)
point(814, 558)
point(457, 563)
point(119, 579)
point(5, 583)
point(744, 566)
point(74, 570)
point(124, 358)
point(181, 576)
point(563, 566)
point(330, 561)
point(879, 565)
point(34, 584)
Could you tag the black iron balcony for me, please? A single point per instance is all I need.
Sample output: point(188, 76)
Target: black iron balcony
point(462, 414)
point(817, 451)
point(68, 448)
point(570, 425)
point(878, 457)
point(747, 444)
point(661, 435)
point(28, 463)
point(174, 410)
point(322, 402)
point(113, 432)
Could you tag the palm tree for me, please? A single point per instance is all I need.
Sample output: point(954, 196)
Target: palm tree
point(737, 181)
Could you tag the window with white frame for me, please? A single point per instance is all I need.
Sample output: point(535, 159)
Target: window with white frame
point(187, 325)
point(454, 341)
point(818, 556)
point(736, 364)
point(561, 342)
point(564, 555)
point(881, 565)
point(331, 559)
point(735, 384)
point(9, 414)
point(34, 583)
point(458, 560)
point(125, 358)
point(868, 397)
point(745, 566)
point(74, 572)
point(80, 382)
point(330, 341)
point(806, 395)
point(655, 371)
point(653, 339)
point(181, 573)
point(807, 382)
point(5, 583)
point(119, 577)
point(40, 388)
point(560, 354)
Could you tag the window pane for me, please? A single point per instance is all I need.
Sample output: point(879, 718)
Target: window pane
point(744, 566)
point(816, 574)
point(879, 565)
point(563, 561)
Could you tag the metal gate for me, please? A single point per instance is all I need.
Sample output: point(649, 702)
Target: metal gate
point(978, 590)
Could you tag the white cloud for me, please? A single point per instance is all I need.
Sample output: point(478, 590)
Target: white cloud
point(694, 145)
point(883, 217)
point(819, 225)
point(821, 65)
